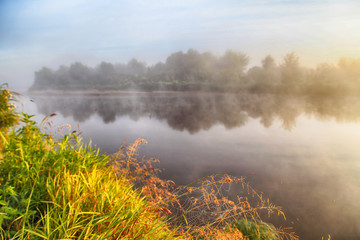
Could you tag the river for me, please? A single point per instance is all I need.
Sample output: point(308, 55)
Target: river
point(302, 153)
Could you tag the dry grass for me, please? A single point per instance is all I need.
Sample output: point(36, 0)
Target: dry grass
point(201, 209)
point(57, 188)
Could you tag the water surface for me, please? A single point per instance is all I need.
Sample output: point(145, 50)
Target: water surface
point(302, 153)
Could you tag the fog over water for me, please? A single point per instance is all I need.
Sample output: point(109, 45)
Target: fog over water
point(291, 123)
point(300, 152)
point(53, 33)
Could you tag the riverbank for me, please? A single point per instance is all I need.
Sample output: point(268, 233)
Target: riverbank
point(121, 92)
point(56, 187)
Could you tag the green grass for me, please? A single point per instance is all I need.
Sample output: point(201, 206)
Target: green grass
point(257, 230)
point(64, 190)
point(8, 116)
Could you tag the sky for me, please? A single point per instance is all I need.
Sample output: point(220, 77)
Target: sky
point(37, 33)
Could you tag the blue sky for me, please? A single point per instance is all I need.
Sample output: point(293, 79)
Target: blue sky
point(36, 33)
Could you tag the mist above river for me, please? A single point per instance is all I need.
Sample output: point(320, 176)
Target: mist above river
point(200, 111)
point(301, 152)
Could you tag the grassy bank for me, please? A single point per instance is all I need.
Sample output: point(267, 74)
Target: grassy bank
point(58, 188)
point(64, 190)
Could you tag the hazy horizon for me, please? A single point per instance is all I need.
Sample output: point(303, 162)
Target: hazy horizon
point(43, 33)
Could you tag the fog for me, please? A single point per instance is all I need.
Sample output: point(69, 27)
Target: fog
point(42, 33)
point(194, 71)
point(195, 112)
point(290, 71)
point(303, 150)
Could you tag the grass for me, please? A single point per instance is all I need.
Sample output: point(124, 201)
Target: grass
point(59, 188)
point(64, 190)
point(254, 230)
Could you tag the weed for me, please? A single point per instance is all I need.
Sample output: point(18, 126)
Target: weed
point(257, 230)
point(62, 189)
point(201, 209)
point(59, 188)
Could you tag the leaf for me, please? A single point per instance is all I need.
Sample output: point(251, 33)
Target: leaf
point(36, 233)
point(10, 210)
point(2, 202)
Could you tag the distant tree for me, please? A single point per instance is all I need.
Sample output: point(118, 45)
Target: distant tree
point(157, 75)
point(44, 79)
point(350, 67)
point(324, 81)
point(62, 76)
point(120, 68)
point(208, 62)
point(186, 71)
point(175, 65)
point(193, 66)
point(291, 61)
point(268, 62)
point(106, 69)
point(158, 67)
point(291, 73)
point(106, 74)
point(136, 68)
point(234, 62)
point(265, 78)
point(79, 74)
point(271, 72)
point(208, 70)
point(204, 71)
point(349, 73)
point(232, 66)
point(256, 74)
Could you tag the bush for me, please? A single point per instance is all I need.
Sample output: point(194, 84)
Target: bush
point(8, 115)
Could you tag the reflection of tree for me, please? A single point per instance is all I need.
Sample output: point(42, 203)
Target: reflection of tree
point(195, 112)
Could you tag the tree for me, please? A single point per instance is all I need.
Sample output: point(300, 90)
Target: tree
point(62, 76)
point(231, 67)
point(79, 74)
point(136, 68)
point(106, 73)
point(291, 73)
point(234, 62)
point(268, 62)
point(265, 78)
point(44, 79)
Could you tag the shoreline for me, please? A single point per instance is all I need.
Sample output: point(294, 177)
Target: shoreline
point(119, 92)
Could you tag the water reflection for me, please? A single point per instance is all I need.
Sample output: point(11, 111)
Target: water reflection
point(311, 171)
point(195, 112)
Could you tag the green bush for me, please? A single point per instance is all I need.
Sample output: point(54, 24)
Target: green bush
point(8, 115)
point(257, 230)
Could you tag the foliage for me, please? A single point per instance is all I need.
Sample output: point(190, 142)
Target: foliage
point(8, 115)
point(181, 72)
point(202, 209)
point(62, 189)
point(194, 71)
point(257, 230)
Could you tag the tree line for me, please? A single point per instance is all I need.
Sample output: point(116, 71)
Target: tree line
point(195, 71)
